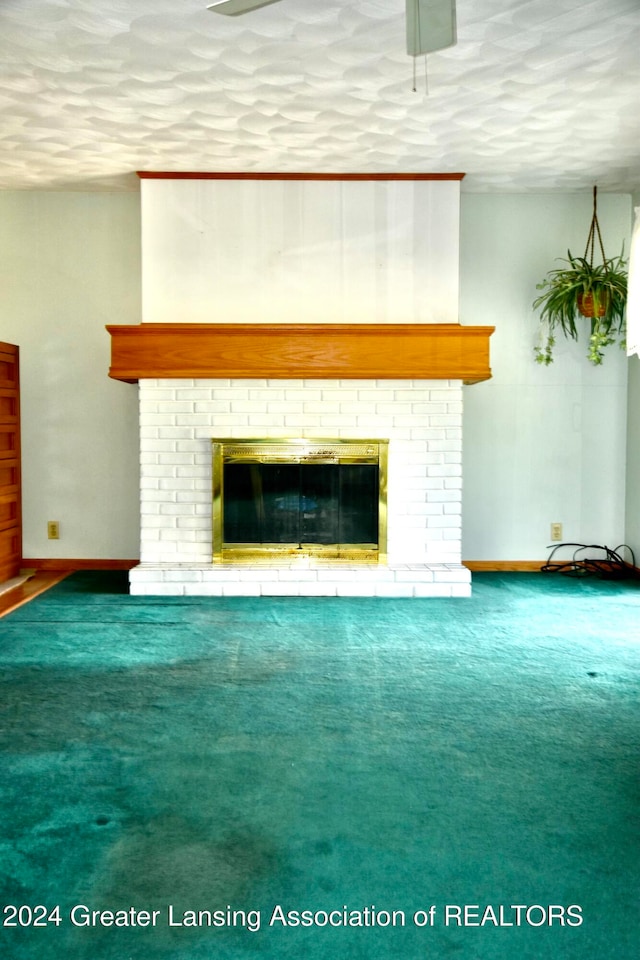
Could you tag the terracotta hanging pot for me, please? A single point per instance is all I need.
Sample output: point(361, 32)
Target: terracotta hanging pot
point(586, 305)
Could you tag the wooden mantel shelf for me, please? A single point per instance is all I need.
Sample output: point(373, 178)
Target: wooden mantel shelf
point(443, 351)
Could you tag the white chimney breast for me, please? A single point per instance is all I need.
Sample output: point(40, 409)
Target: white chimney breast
point(272, 251)
point(308, 251)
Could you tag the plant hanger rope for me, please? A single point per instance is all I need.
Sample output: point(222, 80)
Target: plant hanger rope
point(593, 230)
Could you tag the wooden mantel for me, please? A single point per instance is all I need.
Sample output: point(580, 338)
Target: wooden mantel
point(445, 351)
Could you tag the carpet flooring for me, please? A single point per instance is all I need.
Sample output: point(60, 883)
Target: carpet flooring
point(354, 779)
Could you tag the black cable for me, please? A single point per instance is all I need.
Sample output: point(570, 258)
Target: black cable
point(610, 567)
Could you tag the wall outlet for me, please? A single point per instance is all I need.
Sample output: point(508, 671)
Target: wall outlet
point(53, 529)
point(556, 532)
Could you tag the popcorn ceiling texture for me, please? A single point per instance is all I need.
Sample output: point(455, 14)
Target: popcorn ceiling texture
point(536, 95)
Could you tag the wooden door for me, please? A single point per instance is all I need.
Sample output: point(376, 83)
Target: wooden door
point(10, 492)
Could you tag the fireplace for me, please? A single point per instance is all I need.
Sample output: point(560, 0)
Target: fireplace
point(322, 499)
point(310, 306)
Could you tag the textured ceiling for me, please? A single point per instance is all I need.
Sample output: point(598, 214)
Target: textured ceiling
point(536, 95)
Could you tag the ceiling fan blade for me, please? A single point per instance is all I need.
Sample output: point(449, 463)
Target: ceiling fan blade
point(232, 8)
point(431, 25)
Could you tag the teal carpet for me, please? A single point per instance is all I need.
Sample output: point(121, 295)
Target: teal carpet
point(362, 760)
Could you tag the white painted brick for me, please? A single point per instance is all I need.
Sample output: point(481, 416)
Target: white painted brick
point(430, 590)
point(199, 474)
point(445, 420)
point(158, 521)
point(223, 421)
point(355, 588)
point(296, 420)
point(154, 445)
point(342, 395)
point(427, 433)
point(445, 446)
point(444, 496)
point(154, 396)
point(451, 534)
point(320, 589)
point(231, 394)
point(307, 394)
point(212, 407)
point(395, 410)
point(181, 384)
point(175, 433)
point(157, 496)
point(447, 470)
point(314, 408)
point(412, 395)
point(153, 472)
point(242, 383)
point(173, 509)
point(376, 396)
point(194, 394)
point(240, 589)
point(268, 394)
point(397, 384)
point(444, 521)
point(175, 535)
point(374, 424)
point(309, 408)
point(428, 409)
point(248, 406)
point(166, 590)
point(175, 483)
point(393, 589)
point(209, 384)
point(335, 421)
point(452, 576)
point(266, 420)
point(182, 576)
point(193, 523)
point(174, 458)
point(175, 407)
point(193, 496)
point(460, 590)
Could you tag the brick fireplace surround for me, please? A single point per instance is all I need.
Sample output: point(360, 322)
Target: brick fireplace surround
point(420, 415)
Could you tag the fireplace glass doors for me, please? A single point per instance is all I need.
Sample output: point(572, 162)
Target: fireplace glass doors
point(292, 499)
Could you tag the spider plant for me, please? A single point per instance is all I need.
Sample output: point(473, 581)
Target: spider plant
point(581, 290)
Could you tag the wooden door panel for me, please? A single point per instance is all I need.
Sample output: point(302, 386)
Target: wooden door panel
point(10, 489)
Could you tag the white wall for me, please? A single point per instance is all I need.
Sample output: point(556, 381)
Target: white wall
point(632, 536)
point(69, 264)
point(633, 450)
point(541, 444)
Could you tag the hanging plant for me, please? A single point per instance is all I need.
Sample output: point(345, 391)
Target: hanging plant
point(581, 290)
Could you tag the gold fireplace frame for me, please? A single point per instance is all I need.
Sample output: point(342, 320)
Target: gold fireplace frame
point(298, 450)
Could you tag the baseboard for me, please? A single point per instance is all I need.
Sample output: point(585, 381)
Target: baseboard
point(51, 563)
point(511, 566)
point(69, 564)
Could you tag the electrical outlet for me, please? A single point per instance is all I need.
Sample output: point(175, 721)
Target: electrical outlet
point(556, 531)
point(53, 530)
